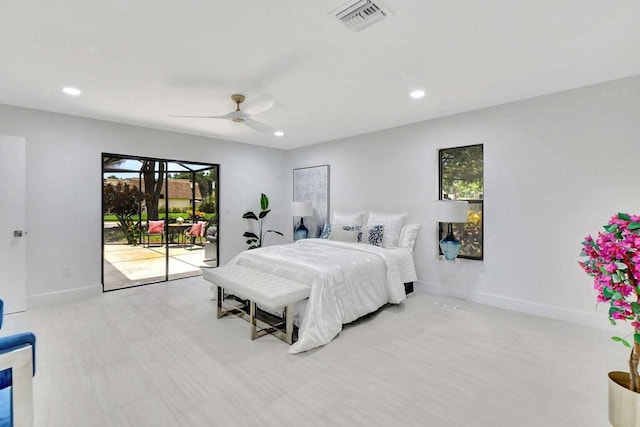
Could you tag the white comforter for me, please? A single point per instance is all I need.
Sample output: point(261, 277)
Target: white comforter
point(348, 280)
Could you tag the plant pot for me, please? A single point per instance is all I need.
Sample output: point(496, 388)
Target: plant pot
point(624, 404)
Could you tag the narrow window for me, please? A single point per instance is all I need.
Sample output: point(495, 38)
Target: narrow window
point(461, 177)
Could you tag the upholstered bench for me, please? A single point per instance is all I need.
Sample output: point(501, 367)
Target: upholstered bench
point(257, 288)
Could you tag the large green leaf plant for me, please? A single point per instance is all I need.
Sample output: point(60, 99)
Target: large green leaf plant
point(255, 240)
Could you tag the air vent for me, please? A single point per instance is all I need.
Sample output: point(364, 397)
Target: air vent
point(359, 14)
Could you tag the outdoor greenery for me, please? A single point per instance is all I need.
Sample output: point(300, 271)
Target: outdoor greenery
point(462, 178)
point(172, 216)
point(123, 202)
point(153, 183)
point(209, 203)
point(255, 240)
point(462, 173)
point(205, 180)
point(469, 233)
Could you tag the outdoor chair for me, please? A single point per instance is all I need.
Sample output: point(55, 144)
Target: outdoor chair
point(17, 367)
point(196, 231)
point(155, 228)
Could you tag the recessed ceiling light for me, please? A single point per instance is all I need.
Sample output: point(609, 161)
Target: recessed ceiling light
point(417, 94)
point(278, 133)
point(72, 91)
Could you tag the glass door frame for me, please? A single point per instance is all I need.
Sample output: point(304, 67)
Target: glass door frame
point(188, 166)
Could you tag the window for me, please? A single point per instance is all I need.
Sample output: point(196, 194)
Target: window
point(461, 176)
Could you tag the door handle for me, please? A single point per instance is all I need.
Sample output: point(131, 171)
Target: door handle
point(17, 233)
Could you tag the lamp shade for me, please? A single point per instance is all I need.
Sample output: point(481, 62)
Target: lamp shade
point(452, 210)
point(302, 209)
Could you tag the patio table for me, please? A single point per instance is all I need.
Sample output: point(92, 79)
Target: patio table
point(178, 229)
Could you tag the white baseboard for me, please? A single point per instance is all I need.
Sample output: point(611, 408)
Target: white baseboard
point(593, 319)
point(63, 296)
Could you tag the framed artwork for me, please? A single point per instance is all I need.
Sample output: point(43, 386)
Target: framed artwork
point(312, 185)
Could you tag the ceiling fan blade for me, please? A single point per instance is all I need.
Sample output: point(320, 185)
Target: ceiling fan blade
point(258, 126)
point(226, 116)
point(258, 105)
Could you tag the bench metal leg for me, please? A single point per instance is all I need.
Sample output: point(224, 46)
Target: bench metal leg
point(288, 315)
point(258, 328)
point(220, 298)
point(252, 319)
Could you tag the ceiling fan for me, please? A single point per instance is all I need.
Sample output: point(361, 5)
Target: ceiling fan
point(243, 116)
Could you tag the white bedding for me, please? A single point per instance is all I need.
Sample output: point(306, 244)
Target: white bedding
point(348, 280)
point(406, 265)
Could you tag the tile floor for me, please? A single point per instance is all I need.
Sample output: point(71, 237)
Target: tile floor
point(157, 356)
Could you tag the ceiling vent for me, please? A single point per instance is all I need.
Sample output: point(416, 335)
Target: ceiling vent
point(359, 14)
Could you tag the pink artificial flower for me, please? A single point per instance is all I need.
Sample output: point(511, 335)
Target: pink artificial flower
point(618, 245)
point(611, 268)
point(617, 316)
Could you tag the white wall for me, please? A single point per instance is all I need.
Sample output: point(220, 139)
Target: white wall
point(64, 188)
point(556, 168)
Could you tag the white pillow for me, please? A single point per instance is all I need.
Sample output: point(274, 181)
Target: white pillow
point(392, 222)
point(350, 219)
point(341, 235)
point(408, 236)
point(371, 234)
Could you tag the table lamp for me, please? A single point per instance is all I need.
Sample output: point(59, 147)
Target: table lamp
point(451, 211)
point(301, 209)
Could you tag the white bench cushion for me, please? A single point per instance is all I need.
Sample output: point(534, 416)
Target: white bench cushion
point(263, 288)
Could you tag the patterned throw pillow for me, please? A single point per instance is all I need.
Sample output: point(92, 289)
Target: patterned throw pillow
point(371, 234)
point(325, 232)
point(392, 226)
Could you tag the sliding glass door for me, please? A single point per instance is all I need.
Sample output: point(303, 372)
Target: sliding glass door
point(160, 219)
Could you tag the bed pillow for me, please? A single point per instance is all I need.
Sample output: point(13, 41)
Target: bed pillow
point(350, 219)
point(343, 234)
point(371, 234)
point(408, 236)
point(392, 222)
point(326, 231)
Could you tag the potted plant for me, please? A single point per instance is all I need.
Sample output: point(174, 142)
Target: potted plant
point(255, 240)
point(613, 260)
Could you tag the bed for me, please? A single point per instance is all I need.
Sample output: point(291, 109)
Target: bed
point(347, 279)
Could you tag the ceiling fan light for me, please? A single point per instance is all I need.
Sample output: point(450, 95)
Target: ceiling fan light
point(278, 133)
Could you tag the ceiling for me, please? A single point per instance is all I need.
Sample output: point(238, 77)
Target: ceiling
point(138, 62)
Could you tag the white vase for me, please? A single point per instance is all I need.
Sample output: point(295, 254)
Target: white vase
point(624, 404)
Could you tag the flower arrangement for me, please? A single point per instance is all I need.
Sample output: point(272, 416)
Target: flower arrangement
point(613, 260)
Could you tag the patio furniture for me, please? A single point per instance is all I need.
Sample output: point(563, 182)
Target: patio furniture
point(210, 246)
point(155, 228)
point(197, 231)
point(17, 367)
point(177, 231)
